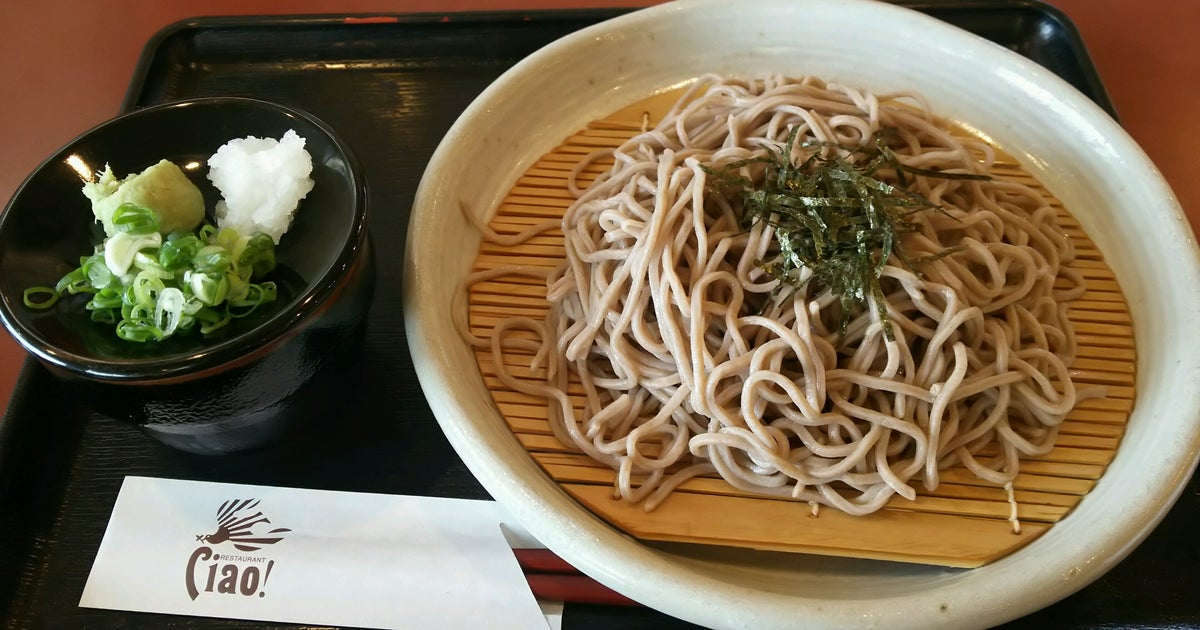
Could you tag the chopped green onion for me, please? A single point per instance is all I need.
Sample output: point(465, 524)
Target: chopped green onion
point(120, 248)
point(146, 288)
point(98, 274)
point(104, 316)
point(147, 263)
point(152, 288)
point(108, 298)
point(211, 320)
point(259, 255)
point(210, 289)
point(177, 253)
point(139, 330)
point(135, 220)
point(257, 294)
point(212, 259)
point(74, 282)
point(40, 297)
point(168, 310)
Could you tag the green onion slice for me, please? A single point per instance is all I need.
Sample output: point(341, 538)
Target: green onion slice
point(40, 297)
point(134, 219)
point(152, 288)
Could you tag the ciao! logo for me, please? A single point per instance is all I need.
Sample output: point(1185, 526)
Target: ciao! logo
point(215, 566)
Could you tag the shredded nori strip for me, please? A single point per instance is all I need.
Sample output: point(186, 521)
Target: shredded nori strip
point(831, 215)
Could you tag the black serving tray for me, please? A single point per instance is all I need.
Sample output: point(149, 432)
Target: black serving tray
point(392, 87)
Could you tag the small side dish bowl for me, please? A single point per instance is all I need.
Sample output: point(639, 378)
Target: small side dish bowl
point(1072, 146)
point(245, 386)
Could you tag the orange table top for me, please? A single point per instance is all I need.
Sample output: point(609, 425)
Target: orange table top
point(66, 72)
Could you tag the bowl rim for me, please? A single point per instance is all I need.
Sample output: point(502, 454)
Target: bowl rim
point(565, 526)
point(235, 350)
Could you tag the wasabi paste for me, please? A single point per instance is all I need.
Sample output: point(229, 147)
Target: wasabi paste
point(163, 187)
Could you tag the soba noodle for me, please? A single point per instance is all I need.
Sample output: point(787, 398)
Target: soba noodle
point(695, 361)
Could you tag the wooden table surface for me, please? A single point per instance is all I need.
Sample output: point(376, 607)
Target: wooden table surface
point(65, 66)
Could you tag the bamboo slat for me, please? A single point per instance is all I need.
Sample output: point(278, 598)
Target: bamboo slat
point(963, 522)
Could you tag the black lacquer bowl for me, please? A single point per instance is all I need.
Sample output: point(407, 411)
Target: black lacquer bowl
point(264, 374)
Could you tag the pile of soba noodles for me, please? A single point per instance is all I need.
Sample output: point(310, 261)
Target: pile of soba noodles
point(698, 357)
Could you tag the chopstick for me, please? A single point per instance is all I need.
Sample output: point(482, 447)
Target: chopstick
point(552, 578)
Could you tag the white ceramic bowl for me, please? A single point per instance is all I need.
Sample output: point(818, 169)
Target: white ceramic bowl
point(1071, 145)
